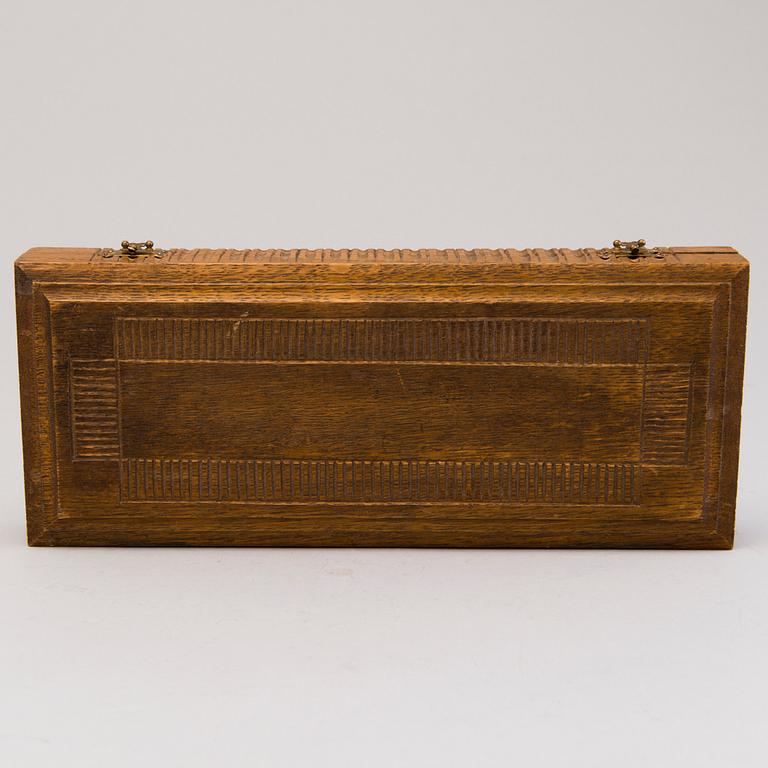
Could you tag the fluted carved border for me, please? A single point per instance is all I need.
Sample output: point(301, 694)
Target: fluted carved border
point(454, 340)
point(215, 480)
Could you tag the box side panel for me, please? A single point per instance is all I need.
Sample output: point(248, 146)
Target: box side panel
point(196, 267)
point(38, 391)
point(733, 394)
point(29, 405)
point(109, 258)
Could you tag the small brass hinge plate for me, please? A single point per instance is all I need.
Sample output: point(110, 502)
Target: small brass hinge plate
point(630, 249)
point(133, 251)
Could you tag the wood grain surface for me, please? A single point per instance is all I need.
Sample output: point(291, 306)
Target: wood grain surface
point(455, 398)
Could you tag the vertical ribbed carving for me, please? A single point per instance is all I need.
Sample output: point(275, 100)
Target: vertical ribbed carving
point(307, 480)
point(462, 340)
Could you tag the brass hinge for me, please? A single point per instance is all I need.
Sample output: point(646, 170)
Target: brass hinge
point(631, 249)
point(134, 250)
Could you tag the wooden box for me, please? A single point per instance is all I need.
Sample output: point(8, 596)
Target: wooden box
point(485, 398)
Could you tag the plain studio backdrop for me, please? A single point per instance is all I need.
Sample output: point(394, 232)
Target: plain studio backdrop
point(387, 124)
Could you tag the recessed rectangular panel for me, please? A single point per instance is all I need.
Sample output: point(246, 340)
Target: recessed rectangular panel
point(381, 411)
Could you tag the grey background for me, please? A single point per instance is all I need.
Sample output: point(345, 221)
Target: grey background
point(386, 124)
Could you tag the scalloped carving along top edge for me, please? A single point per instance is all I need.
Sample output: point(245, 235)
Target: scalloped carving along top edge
point(379, 256)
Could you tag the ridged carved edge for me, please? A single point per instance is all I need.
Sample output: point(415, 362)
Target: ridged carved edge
point(375, 256)
point(94, 409)
point(667, 414)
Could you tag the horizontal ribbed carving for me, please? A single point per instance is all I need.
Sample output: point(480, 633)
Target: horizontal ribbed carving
point(462, 340)
point(280, 481)
point(666, 414)
point(95, 431)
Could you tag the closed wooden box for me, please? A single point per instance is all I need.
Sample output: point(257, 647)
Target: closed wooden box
point(485, 398)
